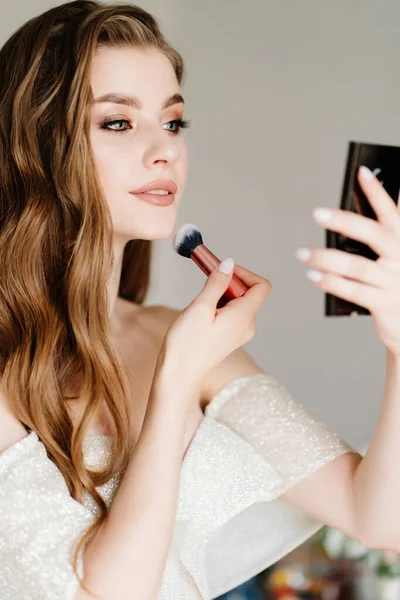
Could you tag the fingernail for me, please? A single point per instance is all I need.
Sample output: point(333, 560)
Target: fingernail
point(226, 266)
point(366, 173)
point(314, 275)
point(303, 253)
point(322, 214)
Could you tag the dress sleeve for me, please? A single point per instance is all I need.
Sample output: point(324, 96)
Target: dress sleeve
point(39, 523)
point(254, 443)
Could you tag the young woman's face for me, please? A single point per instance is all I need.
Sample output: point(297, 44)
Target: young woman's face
point(141, 145)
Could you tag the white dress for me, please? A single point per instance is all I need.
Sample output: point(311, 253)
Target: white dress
point(254, 443)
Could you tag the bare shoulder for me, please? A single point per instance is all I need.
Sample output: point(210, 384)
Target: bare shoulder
point(163, 316)
point(237, 364)
point(154, 319)
point(11, 430)
point(158, 319)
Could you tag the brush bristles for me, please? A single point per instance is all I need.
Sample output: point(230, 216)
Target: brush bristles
point(186, 239)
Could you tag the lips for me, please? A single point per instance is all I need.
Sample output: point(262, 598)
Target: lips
point(159, 184)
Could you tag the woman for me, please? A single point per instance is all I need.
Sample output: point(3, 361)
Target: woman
point(144, 454)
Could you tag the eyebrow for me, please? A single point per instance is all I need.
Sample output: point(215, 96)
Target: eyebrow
point(134, 102)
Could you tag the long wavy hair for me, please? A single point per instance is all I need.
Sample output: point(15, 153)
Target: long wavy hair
point(56, 237)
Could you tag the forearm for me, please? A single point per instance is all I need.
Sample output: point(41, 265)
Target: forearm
point(377, 477)
point(127, 557)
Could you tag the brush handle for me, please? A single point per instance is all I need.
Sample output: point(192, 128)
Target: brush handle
point(207, 261)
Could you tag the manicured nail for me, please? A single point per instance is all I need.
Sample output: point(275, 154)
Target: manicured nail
point(314, 275)
point(226, 266)
point(322, 214)
point(366, 173)
point(303, 253)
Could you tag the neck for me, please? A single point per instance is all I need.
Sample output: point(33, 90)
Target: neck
point(113, 286)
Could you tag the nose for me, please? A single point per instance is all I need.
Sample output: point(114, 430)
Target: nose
point(161, 147)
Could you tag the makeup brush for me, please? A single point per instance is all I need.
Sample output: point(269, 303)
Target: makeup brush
point(188, 242)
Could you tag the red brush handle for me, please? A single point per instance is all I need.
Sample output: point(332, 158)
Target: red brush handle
point(207, 261)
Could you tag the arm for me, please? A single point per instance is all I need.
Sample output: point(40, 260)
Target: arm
point(341, 493)
point(377, 478)
point(359, 495)
point(126, 558)
point(328, 494)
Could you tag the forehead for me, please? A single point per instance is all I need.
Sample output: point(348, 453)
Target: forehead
point(132, 71)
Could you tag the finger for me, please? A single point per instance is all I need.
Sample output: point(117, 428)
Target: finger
point(254, 297)
point(360, 228)
point(353, 291)
point(383, 205)
point(349, 265)
point(248, 277)
point(215, 285)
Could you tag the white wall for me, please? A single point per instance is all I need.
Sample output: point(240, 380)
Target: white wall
point(274, 91)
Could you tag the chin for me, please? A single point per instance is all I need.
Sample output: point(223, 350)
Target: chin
point(149, 223)
point(160, 230)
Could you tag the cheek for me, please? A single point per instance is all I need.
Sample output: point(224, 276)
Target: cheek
point(110, 159)
point(183, 162)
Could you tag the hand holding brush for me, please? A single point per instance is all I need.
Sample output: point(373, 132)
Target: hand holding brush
point(203, 335)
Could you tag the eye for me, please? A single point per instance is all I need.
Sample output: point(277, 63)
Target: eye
point(178, 123)
point(107, 125)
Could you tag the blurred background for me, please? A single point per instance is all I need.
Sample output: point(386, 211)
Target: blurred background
point(275, 90)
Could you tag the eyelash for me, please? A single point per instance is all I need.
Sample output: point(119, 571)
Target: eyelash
point(180, 123)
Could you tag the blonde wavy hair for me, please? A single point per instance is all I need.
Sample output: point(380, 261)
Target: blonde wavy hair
point(56, 236)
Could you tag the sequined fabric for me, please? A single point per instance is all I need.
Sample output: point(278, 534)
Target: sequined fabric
point(254, 443)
